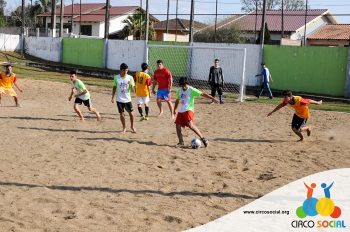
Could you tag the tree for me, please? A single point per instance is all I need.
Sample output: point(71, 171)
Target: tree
point(2, 8)
point(225, 35)
point(135, 25)
point(267, 35)
point(249, 5)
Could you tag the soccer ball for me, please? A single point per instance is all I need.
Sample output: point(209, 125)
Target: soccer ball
point(196, 143)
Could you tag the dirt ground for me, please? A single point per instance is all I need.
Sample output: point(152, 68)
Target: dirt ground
point(58, 174)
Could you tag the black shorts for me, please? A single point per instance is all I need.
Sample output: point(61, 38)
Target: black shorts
point(86, 103)
point(124, 106)
point(298, 122)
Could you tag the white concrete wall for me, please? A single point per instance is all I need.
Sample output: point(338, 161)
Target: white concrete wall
point(10, 42)
point(46, 48)
point(122, 51)
point(231, 62)
point(172, 37)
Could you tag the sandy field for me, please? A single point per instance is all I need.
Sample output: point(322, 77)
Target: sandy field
point(58, 174)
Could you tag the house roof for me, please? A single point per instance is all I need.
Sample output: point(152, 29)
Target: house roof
point(92, 12)
point(99, 15)
point(293, 19)
point(67, 10)
point(182, 24)
point(332, 32)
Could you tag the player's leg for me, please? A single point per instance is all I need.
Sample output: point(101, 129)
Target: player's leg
point(261, 89)
point(146, 107)
point(0, 98)
point(78, 111)
point(269, 90)
point(296, 124)
point(171, 108)
point(180, 135)
point(159, 104)
point(129, 109)
point(213, 91)
point(139, 106)
point(121, 107)
point(198, 132)
point(88, 104)
point(220, 94)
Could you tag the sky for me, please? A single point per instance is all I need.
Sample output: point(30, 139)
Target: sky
point(339, 8)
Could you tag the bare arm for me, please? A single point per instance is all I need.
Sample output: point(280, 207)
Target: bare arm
point(113, 93)
point(149, 91)
point(209, 97)
point(155, 83)
point(17, 86)
point(82, 93)
point(315, 102)
point(176, 105)
point(71, 95)
point(277, 108)
point(270, 78)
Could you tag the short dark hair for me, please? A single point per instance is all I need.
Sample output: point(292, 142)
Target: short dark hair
point(73, 72)
point(263, 63)
point(123, 66)
point(8, 65)
point(183, 80)
point(144, 66)
point(159, 62)
point(286, 93)
point(216, 60)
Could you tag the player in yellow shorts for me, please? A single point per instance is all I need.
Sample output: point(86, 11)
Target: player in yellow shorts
point(302, 113)
point(7, 81)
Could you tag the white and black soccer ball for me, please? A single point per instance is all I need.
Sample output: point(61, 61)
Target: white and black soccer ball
point(196, 143)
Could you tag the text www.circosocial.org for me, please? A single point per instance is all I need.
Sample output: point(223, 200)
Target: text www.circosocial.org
point(272, 212)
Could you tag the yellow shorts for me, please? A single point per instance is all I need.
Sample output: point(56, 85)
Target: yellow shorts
point(10, 92)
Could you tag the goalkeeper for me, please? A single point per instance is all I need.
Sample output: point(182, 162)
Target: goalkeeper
point(216, 80)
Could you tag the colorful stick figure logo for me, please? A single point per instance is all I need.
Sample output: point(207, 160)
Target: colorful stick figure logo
point(323, 206)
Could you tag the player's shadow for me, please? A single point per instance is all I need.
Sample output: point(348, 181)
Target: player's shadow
point(34, 118)
point(65, 130)
point(250, 140)
point(91, 116)
point(131, 191)
point(148, 143)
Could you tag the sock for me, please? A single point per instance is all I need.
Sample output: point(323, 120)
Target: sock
point(220, 98)
point(147, 110)
point(140, 111)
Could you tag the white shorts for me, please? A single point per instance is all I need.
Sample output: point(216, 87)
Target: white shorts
point(142, 100)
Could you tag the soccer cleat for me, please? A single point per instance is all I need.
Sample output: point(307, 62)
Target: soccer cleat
point(205, 141)
point(146, 118)
point(142, 118)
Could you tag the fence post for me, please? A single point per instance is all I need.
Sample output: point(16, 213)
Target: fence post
point(347, 82)
point(37, 32)
point(106, 53)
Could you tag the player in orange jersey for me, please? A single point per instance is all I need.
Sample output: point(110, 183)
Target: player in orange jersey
point(302, 113)
point(7, 81)
point(142, 83)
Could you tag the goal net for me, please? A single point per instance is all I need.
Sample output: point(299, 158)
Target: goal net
point(194, 63)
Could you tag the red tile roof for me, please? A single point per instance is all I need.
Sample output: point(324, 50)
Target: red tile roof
point(293, 19)
point(332, 32)
point(85, 8)
point(99, 15)
point(182, 24)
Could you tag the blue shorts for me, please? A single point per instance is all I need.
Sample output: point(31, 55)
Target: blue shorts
point(163, 94)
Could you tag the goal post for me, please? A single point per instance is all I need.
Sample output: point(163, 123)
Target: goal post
point(195, 61)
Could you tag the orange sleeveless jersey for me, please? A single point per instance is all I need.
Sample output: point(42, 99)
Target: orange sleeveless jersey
point(142, 80)
point(7, 82)
point(301, 109)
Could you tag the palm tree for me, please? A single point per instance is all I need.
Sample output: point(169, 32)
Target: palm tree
point(135, 25)
point(39, 7)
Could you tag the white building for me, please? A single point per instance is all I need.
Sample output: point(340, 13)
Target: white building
point(90, 18)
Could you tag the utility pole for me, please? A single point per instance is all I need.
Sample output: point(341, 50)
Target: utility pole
point(167, 18)
point(256, 19)
point(305, 22)
point(141, 19)
point(262, 32)
point(53, 18)
point(282, 21)
point(177, 10)
point(147, 32)
point(22, 29)
point(191, 21)
point(80, 20)
point(72, 21)
point(107, 19)
point(61, 18)
point(216, 19)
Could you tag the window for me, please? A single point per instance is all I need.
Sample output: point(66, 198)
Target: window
point(86, 30)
